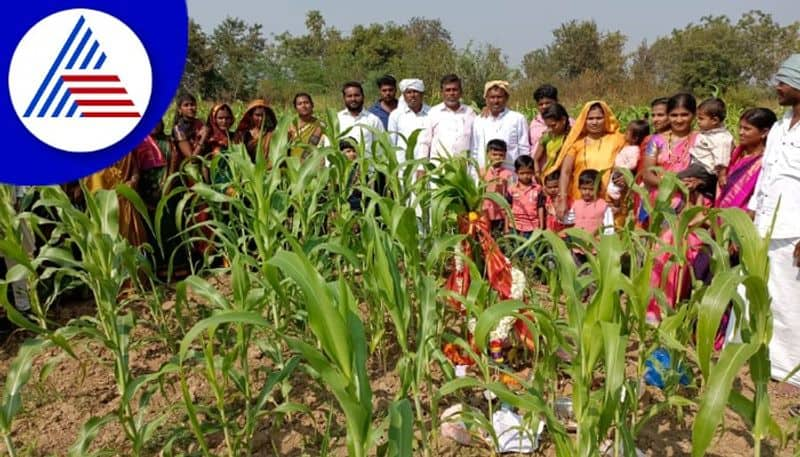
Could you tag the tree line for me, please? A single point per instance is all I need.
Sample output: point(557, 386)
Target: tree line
point(714, 55)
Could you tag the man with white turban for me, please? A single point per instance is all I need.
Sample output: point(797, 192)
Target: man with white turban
point(499, 123)
point(780, 180)
point(411, 115)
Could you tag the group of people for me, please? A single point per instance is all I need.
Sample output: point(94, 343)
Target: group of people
point(555, 171)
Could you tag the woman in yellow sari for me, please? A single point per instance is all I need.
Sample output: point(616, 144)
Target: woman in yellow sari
point(125, 171)
point(593, 143)
point(308, 129)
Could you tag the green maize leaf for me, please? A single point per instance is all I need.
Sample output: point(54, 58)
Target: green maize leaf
point(18, 375)
point(88, 433)
point(716, 392)
point(14, 251)
point(104, 210)
point(491, 316)
point(133, 198)
point(357, 414)
point(203, 289)
point(223, 317)
point(401, 429)
point(272, 380)
point(326, 323)
point(710, 309)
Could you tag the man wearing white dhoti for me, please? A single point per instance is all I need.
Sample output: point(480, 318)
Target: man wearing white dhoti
point(780, 180)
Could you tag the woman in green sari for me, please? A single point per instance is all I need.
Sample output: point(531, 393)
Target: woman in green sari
point(556, 119)
point(158, 160)
point(308, 130)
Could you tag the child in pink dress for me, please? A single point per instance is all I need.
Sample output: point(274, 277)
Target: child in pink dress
point(589, 210)
point(498, 180)
point(526, 204)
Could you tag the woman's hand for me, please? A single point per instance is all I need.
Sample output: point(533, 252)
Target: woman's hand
point(691, 183)
point(561, 206)
point(619, 180)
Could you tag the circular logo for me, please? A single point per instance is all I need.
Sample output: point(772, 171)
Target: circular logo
point(87, 82)
point(80, 80)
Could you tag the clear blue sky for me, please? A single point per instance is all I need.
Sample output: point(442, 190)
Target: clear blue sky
point(514, 26)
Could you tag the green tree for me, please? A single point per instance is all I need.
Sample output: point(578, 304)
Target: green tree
point(199, 75)
point(477, 64)
point(718, 52)
point(578, 47)
point(240, 58)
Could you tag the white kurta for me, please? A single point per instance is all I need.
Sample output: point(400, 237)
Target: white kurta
point(509, 126)
point(780, 180)
point(449, 131)
point(402, 123)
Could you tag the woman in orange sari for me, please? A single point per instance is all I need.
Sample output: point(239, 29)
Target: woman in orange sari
point(593, 143)
point(125, 171)
point(256, 127)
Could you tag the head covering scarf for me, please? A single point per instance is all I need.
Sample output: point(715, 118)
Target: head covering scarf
point(789, 71)
point(247, 122)
point(217, 137)
point(412, 83)
point(496, 83)
point(612, 142)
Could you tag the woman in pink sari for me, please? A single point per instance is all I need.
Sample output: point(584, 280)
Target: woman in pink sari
point(670, 152)
point(743, 171)
point(745, 166)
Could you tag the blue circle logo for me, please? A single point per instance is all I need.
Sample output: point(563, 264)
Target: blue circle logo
point(81, 92)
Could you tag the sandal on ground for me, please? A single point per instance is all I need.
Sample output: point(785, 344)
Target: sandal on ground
point(794, 410)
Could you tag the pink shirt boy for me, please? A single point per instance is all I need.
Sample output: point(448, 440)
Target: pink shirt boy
point(589, 215)
point(525, 207)
point(501, 177)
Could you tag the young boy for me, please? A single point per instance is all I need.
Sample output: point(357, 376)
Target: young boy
point(711, 151)
point(526, 206)
point(497, 177)
point(550, 220)
point(347, 146)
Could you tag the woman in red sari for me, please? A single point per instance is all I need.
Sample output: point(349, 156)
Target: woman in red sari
point(256, 127)
point(189, 134)
point(219, 123)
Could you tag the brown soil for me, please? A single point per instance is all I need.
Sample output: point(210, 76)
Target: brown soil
point(55, 408)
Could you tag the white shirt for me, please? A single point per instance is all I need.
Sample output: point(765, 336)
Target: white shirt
point(402, 123)
point(449, 132)
point(779, 179)
point(509, 126)
point(712, 148)
point(363, 119)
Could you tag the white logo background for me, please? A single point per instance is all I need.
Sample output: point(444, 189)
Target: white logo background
point(34, 56)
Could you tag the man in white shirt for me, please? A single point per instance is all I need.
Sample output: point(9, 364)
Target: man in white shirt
point(499, 123)
point(411, 114)
point(780, 180)
point(449, 131)
point(355, 118)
